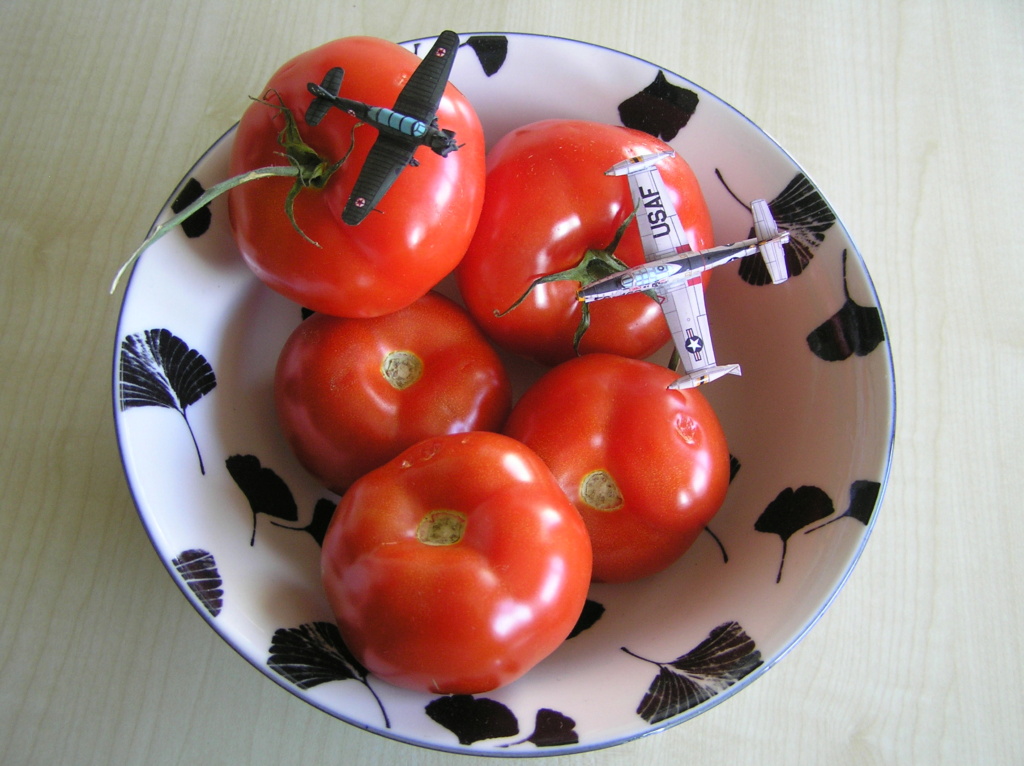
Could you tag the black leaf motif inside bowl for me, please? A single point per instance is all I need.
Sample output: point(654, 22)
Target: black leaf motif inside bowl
point(716, 663)
point(198, 569)
point(158, 369)
point(314, 654)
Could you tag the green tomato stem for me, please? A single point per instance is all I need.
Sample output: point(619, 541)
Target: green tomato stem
point(594, 265)
point(204, 199)
point(307, 167)
point(674, 360)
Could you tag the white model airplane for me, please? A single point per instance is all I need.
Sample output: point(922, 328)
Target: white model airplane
point(673, 271)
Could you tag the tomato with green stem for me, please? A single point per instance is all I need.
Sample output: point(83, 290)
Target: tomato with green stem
point(457, 566)
point(422, 226)
point(549, 209)
point(646, 466)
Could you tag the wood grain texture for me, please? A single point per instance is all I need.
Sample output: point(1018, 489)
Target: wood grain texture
point(907, 115)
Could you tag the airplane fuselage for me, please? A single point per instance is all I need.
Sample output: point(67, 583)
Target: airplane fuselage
point(666, 271)
point(382, 118)
point(394, 123)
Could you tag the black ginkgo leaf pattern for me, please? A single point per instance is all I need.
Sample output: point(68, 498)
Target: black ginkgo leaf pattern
point(158, 369)
point(592, 612)
point(734, 468)
point(323, 511)
point(791, 511)
point(314, 654)
point(199, 222)
point(854, 329)
point(263, 488)
point(863, 499)
point(472, 719)
point(661, 109)
point(719, 543)
point(198, 569)
point(803, 212)
point(491, 50)
point(716, 663)
point(551, 729)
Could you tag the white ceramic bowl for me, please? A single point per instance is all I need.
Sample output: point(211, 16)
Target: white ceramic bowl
point(810, 425)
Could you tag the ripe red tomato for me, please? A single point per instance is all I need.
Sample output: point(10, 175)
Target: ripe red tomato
point(457, 566)
point(423, 224)
point(353, 393)
point(646, 466)
point(548, 202)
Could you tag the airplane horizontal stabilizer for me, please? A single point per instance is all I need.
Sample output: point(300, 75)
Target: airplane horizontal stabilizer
point(705, 375)
point(775, 259)
point(770, 241)
point(329, 88)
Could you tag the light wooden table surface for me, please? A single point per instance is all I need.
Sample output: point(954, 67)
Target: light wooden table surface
point(908, 116)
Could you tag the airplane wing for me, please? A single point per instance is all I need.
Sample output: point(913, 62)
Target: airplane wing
point(321, 106)
point(687, 318)
point(386, 159)
point(421, 95)
point(661, 232)
point(769, 243)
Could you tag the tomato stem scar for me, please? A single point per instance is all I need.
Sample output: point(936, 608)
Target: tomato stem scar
point(599, 490)
point(401, 369)
point(441, 527)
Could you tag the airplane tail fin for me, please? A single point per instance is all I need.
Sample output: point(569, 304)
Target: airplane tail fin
point(705, 375)
point(770, 241)
point(325, 94)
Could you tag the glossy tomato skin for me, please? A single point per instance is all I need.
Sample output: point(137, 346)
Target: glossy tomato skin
point(547, 202)
point(456, 617)
point(351, 394)
point(646, 466)
point(421, 227)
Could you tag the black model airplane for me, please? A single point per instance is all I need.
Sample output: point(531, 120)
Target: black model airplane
point(411, 123)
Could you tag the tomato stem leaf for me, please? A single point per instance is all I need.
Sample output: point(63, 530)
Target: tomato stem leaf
point(594, 265)
point(581, 328)
point(674, 360)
